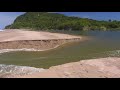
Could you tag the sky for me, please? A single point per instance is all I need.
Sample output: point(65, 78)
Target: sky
point(7, 18)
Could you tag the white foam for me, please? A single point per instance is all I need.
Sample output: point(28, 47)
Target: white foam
point(18, 70)
point(114, 53)
point(25, 49)
point(1, 30)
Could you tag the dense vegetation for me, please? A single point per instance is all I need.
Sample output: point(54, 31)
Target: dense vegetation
point(55, 21)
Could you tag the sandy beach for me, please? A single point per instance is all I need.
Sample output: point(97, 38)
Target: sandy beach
point(93, 68)
point(20, 40)
point(17, 34)
point(23, 40)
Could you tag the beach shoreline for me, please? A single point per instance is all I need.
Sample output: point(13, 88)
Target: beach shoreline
point(20, 40)
point(91, 68)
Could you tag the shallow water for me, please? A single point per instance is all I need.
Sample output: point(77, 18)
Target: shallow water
point(100, 44)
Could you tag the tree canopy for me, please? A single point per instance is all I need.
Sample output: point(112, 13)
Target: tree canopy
point(55, 21)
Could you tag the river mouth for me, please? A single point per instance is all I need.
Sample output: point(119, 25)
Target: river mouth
point(102, 44)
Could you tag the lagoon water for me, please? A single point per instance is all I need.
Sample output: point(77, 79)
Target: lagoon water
point(100, 44)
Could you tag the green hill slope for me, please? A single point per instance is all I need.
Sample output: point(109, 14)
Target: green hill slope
point(48, 21)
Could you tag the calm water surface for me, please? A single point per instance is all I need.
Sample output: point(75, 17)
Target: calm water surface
point(100, 44)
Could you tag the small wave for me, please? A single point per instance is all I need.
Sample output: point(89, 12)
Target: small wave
point(24, 49)
point(115, 53)
point(17, 70)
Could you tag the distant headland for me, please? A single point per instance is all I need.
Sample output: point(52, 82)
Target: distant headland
point(55, 21)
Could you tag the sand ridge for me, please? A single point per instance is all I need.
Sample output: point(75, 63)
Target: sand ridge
point(22, 39)
point(17, 34)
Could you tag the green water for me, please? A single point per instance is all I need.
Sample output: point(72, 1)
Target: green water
point(100, 44)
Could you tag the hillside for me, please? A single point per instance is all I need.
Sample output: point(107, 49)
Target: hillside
point(55, 21)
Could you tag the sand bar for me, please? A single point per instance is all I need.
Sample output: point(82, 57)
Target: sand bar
point(17, 34)
point(25, 40)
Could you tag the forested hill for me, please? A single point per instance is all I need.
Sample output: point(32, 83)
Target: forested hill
point(55, 21)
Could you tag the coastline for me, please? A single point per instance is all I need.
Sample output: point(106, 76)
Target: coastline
point(91, 68)
point(7, 49)
point(33, 41)
point(20, 40)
